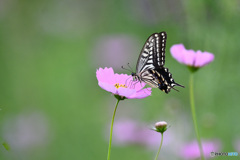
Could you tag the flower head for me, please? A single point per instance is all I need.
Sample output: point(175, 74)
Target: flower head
point(191, 150)
point(191, 58)
point(115, 83)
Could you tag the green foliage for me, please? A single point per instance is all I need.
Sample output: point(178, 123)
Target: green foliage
point(47, 65)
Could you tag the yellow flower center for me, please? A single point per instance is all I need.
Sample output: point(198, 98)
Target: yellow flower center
point(121, 85)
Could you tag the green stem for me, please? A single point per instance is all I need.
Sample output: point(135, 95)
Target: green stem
point(159, 147)
point(111, 130)
point(194, 116)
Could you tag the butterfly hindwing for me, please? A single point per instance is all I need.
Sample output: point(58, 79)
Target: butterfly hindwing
point(148, 77)
point(164, 78)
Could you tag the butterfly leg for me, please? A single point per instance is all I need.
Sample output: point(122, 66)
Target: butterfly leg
point(130, 82)
point(145, 88)
point(135, 83)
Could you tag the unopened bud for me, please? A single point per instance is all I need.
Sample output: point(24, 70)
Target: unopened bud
point(161, 126)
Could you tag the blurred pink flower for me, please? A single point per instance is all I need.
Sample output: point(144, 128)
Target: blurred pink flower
point(115, 84)
point(191, 150)
point(125, 132)
point(26, 131)
point(114, 50)
point(132, 132)
point(149, 138)
point(190, 57)
point(237, 145)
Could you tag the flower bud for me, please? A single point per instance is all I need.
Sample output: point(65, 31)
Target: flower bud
point(161, 126)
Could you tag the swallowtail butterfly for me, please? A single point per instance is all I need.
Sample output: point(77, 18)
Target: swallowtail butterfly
point(150, 65)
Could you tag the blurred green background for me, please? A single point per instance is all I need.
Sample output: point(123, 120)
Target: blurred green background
point(51, 104)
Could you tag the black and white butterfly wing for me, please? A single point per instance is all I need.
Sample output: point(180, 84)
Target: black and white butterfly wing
point(153, 52)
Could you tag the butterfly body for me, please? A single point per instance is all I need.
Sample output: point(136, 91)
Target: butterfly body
point(150, 65)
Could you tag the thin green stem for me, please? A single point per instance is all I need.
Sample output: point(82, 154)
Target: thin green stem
point(194, 115)
point(159, 147)
point(111, 130)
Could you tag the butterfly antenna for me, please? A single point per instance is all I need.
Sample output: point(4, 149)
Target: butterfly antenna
point(130, 67)
point(126, 69)
point(126, 82)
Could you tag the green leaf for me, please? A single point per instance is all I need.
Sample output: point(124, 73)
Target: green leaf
point(6, 146)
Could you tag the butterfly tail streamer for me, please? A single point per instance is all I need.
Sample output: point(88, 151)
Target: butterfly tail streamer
point(179, 85)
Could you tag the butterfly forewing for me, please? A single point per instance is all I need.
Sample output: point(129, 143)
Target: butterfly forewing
point(159, 49)
point(145, 59)
point(153, 52)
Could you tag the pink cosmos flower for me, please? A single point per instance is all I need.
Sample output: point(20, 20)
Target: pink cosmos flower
point(190, 57)
point(115, 83)
point(191, 150)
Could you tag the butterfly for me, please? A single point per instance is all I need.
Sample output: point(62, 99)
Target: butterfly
point(150, 65)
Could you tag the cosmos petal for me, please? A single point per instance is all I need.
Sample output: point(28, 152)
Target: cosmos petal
point(105, 75)
point(190, 57)
point(126, 92)
point(177, 51)
point(108, 87)
point(141, 94)
point(203, 58)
